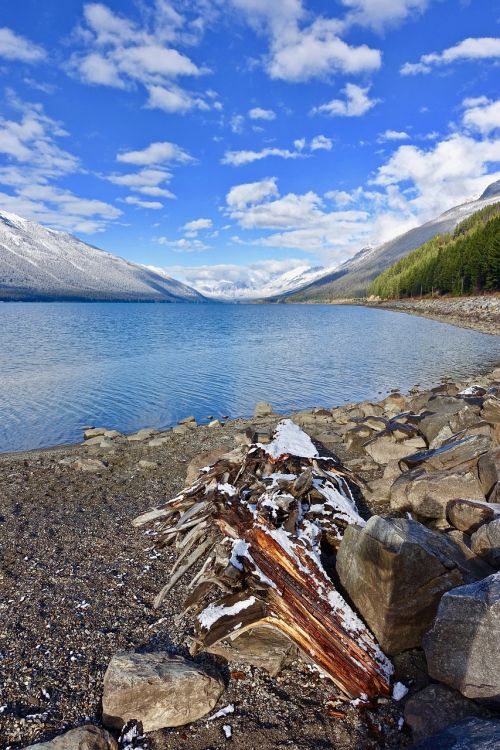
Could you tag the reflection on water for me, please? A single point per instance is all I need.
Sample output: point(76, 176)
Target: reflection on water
point(126, 366)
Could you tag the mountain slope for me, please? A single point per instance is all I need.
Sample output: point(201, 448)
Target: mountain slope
point(353, 277)
point(41, 263)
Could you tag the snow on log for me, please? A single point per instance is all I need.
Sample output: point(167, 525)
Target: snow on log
point(256, 522)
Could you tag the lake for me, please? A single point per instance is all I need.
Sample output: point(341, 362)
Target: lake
point(64, 366)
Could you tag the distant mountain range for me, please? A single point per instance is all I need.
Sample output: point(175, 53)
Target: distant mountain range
point(352, 278)
point(44, 264)
point(37, 263)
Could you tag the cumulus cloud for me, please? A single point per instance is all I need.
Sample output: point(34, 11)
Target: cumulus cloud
point(33, 159)
point(356, 103)
point(300, 50)
point(380, 13)
point(257, 113)
point(472, 48)
point(132, 200)
point(184, 245)
point(482, 115)
point(115, 51)
point(393, 135)
point(16, 47)
point(239, 158)
point(192, 228)
point(249, 193)
point(156, 153)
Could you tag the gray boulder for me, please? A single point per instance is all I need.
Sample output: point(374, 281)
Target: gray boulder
point(262, 647)
point(436, 707)
point(470, 734)
point(469, 515)
point(428, 493)
point(263, 409)
point(486, 542)
point(159, 690)
point(491, 410)
point(489, 471)
point(385, 448)
point(462, 647)
point(87, 737)
point(396, 571)
point(451, 454)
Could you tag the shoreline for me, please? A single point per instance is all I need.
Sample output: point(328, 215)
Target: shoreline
point(65, 515)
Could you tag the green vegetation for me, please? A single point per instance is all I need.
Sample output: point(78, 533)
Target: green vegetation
point(465, 262)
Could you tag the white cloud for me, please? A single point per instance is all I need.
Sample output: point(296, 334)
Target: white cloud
point(301, 51)
point(356, 103)
point(321, 143)
point(192, 228)
point(134, 201)
point(472, 48)
point(379, 13)
point(247, 194)
point(183, 245)
point(238, 158)
point(16, 47)
point(156, 153)
point(393, 135)
point(115, 51)
point(482, 115)
point(236, 123)
point(257, 113)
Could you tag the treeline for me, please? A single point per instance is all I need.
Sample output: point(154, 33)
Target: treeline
point(464, 262)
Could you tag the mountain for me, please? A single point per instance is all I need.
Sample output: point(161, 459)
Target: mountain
point(253, 287)
point(37, 263)
point(353, 277)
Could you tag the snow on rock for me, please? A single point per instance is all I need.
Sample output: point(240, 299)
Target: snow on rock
point(290, 440)
point(399, 691)
point(214, 612)
point(223, 712)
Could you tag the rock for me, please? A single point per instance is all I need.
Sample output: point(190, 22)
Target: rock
point(485, 542)
point(451, 454)
point(436, 707)
point(356, 437)
point(436, 428)
point(465, 543)
point(145, 434)
point(462, 647)
point(262, 647)
point(470, 734)
point(380, 490)
point(469, 515)
point(491, 410)
point(395, 571)
point(97, 440)
point(394, 404)
point(428, 493)
point(489, 470)
point(90, 465)
point(180, 429)
point(363, 463)
point(158, 442)
point(207, 458)
point(112, 434)
point(93, 432)
point(159, 690)
point(392, 471)
point(385, 448)
point(467, 417)
point(371, 410)
point(215, 423)
point(263, 409)
point(187, 420)
point(144, 464)
point(87, 737)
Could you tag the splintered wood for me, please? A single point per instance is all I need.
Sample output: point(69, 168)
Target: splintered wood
point(256, 522)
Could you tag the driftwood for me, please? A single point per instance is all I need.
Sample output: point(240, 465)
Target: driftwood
point(257, 520)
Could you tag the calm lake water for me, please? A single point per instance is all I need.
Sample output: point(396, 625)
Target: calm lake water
point(125, 366)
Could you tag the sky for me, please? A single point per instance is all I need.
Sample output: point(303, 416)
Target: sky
point(241, 138)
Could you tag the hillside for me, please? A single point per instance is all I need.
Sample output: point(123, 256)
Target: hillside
point(37, 263)
point(465, 262)
point(354, 276)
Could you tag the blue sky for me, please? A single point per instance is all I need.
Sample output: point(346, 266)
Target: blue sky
point(211, 137)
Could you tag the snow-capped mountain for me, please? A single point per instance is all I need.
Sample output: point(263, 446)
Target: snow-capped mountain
point(41, 263)
point(352, 278)
point(227, 285)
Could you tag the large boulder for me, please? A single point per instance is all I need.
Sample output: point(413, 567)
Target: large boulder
point(488, 468)
point(396, 571)
point(263, 409)
point(385, 447)
point(87, 737)
point(470, 734)
point(436, 707)
point(428, 493)
point(462, 647)
point(469, 515)
point(158, 689)
point(262, 647)
point(451, 454)
point(486, 542)
point(491, 410)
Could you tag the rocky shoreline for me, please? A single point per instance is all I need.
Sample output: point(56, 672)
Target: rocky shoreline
point(78, 581)
point(478, 313)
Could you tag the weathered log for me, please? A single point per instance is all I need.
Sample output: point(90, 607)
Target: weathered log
point(259, 518)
